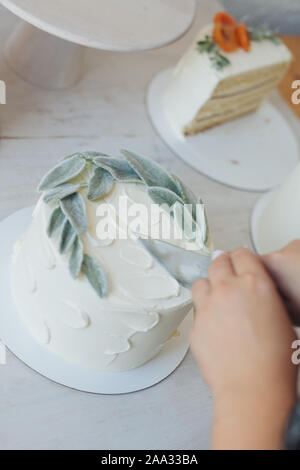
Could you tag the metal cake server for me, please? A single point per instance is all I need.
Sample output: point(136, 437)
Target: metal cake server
point(185, 266)
point(188, 266)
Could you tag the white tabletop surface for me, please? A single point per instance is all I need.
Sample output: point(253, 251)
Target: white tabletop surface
point(114, 25)
point(104, 112)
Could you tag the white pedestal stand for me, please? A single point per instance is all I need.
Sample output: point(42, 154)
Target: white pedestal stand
point(43, 59)
point(36, 54)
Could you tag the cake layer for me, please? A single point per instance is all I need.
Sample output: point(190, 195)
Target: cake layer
point(252, 78)
point(221, 118)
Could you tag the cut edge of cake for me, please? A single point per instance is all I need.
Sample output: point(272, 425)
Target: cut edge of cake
point(237, 96)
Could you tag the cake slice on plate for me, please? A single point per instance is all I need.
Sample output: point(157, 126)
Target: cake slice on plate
point(227, 72)
point(83, 284)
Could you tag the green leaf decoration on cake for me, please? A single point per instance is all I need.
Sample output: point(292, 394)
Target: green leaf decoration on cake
point(76, 258)
point(262, 33)
point(184, 219)
point(209, 46)
point(67, 237)
point(119, 169)
point(74, 209)
point(100, 184)
point(94, 173)
point(150, 172)
point(91, 154)
point(63, 172)
point(164, 196)
point(56, 221)
point(95, 275)
point(61, 191)
point(219, 61)
point(205, 226)
point(186, 195)
point(184, 192)
point(79, 154)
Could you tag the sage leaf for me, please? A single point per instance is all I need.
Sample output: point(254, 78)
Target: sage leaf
point(164, 196)
point(184, 220)
point(201, 214)
point(119, 169)
point(63, 172)
point(100, 184)
point(67, 237)
point(56, 220)
point(76, 258)
point(70, 156)
point(150, 172)
point(74, 209)
point(61, 191)
point(92, 154)
point(95, 275)
point(187, 195)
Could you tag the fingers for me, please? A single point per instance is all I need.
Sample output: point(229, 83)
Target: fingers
point(200, 291)
point(293, 247)
point(245, 262)
point(221, 269)
point(276, 258)
point(273, 262)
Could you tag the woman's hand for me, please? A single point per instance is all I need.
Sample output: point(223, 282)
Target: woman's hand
point(242, 340)
point(284, 267)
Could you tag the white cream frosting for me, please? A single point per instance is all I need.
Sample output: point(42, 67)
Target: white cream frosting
point(280, 222)
point(74, 315)
point(137, 256)
point(40, 331)
point(121, 331)
point(194, 79)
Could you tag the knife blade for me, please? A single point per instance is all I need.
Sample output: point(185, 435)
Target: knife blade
point(185, 266)
point(189, 266)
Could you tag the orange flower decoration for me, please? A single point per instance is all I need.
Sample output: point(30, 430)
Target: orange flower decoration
point(230, 35)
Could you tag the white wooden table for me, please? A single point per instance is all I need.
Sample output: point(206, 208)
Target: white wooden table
point(104, 112)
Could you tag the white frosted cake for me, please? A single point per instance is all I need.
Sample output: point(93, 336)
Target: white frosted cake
point(227, 72)
point(95, 300)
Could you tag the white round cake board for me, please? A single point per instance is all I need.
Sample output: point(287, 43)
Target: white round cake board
point(19, 341)
point(115, 25)
point(255, 152)
point(257, 213)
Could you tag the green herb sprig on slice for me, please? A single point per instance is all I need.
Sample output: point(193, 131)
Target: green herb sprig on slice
point(208, 45)
point(263, 33)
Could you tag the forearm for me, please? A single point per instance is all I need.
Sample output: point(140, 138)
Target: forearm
point(252, 422)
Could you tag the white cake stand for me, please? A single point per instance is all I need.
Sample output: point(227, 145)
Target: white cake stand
point(50, 56)
point(257, 213)
point(15, 335)
point(254, 153)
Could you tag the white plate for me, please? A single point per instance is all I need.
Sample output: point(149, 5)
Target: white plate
point(19, 341)
point(115, 25)
point(255, 152)
point(257, 213)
